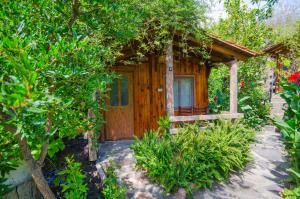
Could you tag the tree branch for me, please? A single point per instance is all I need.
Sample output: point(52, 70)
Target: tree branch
point(75, 13)
point(43, 154)
point(22, 141)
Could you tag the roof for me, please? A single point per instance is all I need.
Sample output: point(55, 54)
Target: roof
point(276, 49)
point(222, 51)
point(238, 48)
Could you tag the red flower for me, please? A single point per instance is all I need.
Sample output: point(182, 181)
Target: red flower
point(216, 99)
point(294, 77)
point(242, 83)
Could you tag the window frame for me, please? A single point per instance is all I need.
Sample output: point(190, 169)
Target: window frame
point(192, 77)
point(119, 95)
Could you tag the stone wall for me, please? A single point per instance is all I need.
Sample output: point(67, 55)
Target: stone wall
point(26, 190)
point(22, 183)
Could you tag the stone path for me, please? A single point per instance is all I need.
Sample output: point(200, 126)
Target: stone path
point(136, 181)
point(277, 105)
point(262, 178)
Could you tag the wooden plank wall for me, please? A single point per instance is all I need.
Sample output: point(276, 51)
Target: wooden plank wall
point(141, 99)
point(158, 89)
point(149, 89)
point(191, 67)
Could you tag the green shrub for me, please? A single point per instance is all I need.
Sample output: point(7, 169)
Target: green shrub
point(111, 189)
point(9, 158)
point(251, 95)
point(74, 186)
point(164, 123)
point(291, 193)
point(290, 124)
point(194, 158)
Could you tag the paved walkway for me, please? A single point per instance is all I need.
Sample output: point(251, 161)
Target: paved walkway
point(136, 181)
point(262, 178)
point(277, 105)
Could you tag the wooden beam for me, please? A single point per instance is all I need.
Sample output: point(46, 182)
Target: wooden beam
point(169, 80)
point(227, 52)
point(234, 86)
point(192, 118)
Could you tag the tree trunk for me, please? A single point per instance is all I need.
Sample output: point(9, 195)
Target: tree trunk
point(41, 183)
point(34, 166)
point(90, 136)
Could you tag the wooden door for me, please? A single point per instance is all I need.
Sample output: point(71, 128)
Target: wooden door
point(119, 116)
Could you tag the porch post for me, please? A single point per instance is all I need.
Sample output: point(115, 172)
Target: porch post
point(233, 86)
point(169, 80)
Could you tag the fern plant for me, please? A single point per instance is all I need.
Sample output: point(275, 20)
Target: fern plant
point(194, 157)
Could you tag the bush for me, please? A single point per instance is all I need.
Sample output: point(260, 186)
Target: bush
point(194, 158)
point(251, 88)
point(290, 124)
point(291, 193)
point(74, 186)
point(111, 189)
point(9, 158)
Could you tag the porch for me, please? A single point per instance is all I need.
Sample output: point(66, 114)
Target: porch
point(180, 114)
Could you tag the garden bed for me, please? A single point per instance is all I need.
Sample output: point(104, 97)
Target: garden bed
point(75, 148)
point(194, 158)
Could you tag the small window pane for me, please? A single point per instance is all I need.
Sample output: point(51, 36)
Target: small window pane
point(186, 92)
point(175, 87)
point(183, 92)
point(114, 99)
point(124, 91)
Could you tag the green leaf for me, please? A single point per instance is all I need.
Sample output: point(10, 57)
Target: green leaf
point(295, 173)
point(35, 110)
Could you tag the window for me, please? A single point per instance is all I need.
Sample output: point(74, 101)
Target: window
point(183, 92)
point(119, 92)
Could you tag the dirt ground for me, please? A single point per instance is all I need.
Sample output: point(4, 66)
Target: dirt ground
point(75, 148)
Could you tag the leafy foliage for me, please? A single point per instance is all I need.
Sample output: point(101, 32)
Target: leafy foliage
point(164, 123)
point(218, 89)
point(112, 189)
point(74, 186)
point(243, 27)
point(291, 193)
point(194, 158)
point(290, 125)
point(9, 153)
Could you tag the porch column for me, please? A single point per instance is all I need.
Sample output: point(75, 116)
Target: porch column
point(234, 86)
point(169, 80)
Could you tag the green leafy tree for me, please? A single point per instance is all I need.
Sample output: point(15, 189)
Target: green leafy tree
point(244, 27)
point(53, 58)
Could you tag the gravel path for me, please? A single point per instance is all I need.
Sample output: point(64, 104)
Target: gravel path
point(263, 178)
point(137, 183)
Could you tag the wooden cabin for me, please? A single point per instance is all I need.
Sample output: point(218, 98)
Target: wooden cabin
point(170, 84)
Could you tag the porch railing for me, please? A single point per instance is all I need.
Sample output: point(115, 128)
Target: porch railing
point(192, 118)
